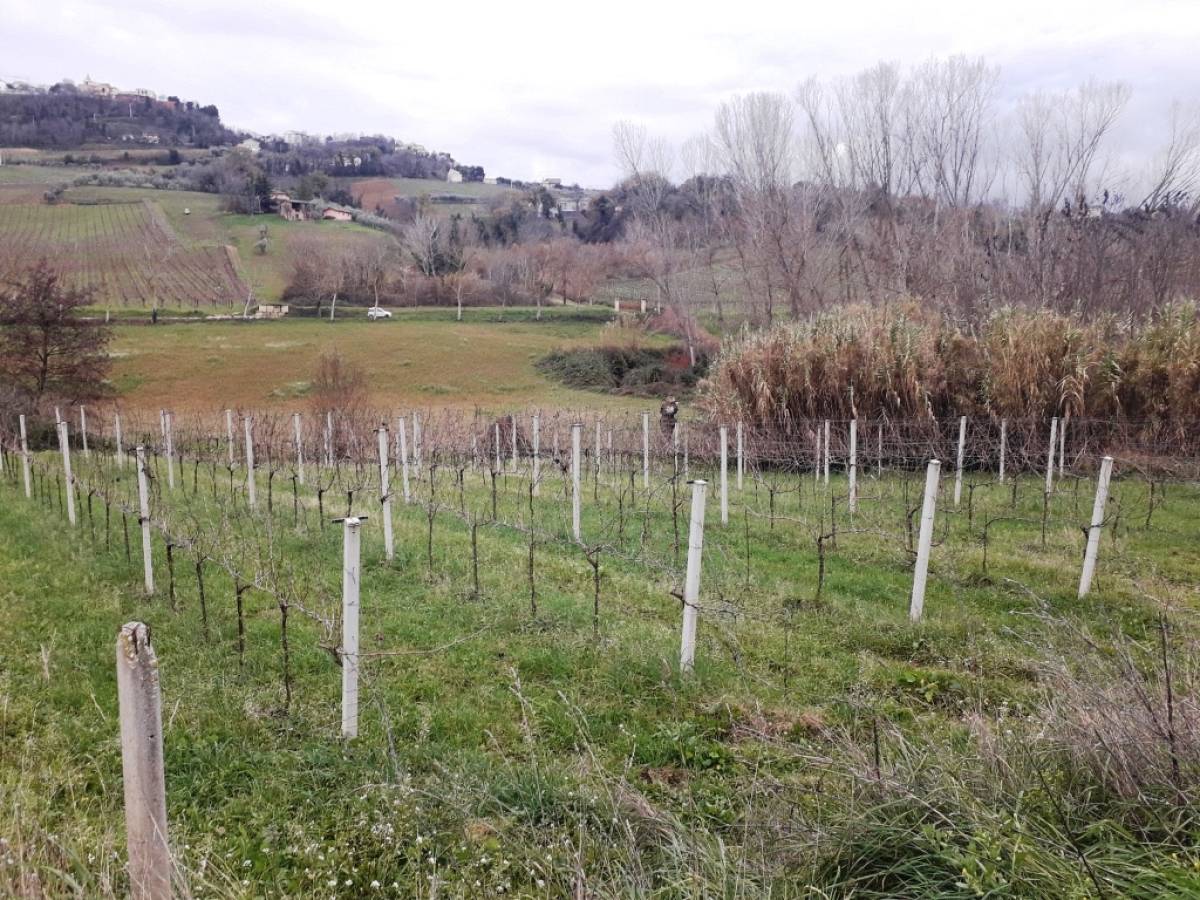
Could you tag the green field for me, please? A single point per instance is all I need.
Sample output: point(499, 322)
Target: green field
point(824, 745)
point(420, 357)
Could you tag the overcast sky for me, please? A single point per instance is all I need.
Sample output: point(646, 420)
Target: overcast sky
point(532, 89)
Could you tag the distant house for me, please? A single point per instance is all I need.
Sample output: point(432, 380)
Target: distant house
point(252, 145)
point(552, 182)
point(337, 214)
point(454, 176)
point(97, 88)
point(271, 311)
point(295, 210)
point(489, 179)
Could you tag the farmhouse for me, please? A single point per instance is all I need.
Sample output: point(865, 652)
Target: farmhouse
point(271, 311)
point(454, 176)
point(97, 88)
point(252, 145)
point(337, 214)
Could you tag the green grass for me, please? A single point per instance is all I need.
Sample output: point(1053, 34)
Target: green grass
point(419, 356)
point(502, 749)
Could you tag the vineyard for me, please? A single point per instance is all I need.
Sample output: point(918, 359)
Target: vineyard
point(127, 253)
point(444, 654)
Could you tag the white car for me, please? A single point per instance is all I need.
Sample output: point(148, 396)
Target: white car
point(378, 312)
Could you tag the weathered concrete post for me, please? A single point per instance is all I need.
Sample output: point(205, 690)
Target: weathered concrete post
point(385, 493)
point(691, 584)
point(351, 536)
point(512, 424)
point(25, 472)
point(298, 440)
point(64, 447)
point(169, 444)
point(402, 436)
point(251, 496)
point(924, 541)
point(958, 470)
point(645, 448)
point(87, 454)
point(144, 518)
point(827, 452)
point(724, 475)
point(119, 441)
point(229, 436)
point(576, 481)
point(1093, 541)
point(1050, 457)
point(852, 468)
point(537, 454)
point(139, 700)
point(1003, 446)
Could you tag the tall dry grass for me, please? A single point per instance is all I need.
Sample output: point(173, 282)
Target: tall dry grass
point(907, 361)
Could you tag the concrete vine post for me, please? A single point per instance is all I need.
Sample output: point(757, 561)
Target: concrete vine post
point(826, 452)
point(144, 518)
point(691, 584)
point(169, 445)
point(576, 482)
point(496, 441)
point(402, 437)
point(64, 446)
point(1093, 540)
point(117, 438)
point(251, 496)
point(852, 468)
point(329, 439)
point(139, 700)
point(351, 537)
point(87, 454)
point(1003, 446)
point(298, 439)
point(724, 475)
point(536, 438)
point(958, 469)
point(229, 437)
point(512, 424)
point(925, 541)
point(1050, 457)
point(385, 494)
point(645, 447)
point(418, 441)
point(25, 472)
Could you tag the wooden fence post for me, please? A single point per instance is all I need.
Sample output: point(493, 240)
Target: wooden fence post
point(350, 606)
point(691, 584)
point(925, 541)
point(139, 700)
point(64, 447)
point(251, 497)
point(1093, 540)
point(385, 493)
point(144, 518)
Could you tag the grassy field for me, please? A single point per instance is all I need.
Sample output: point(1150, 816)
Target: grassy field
point(420, 357)
point(824, 746)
